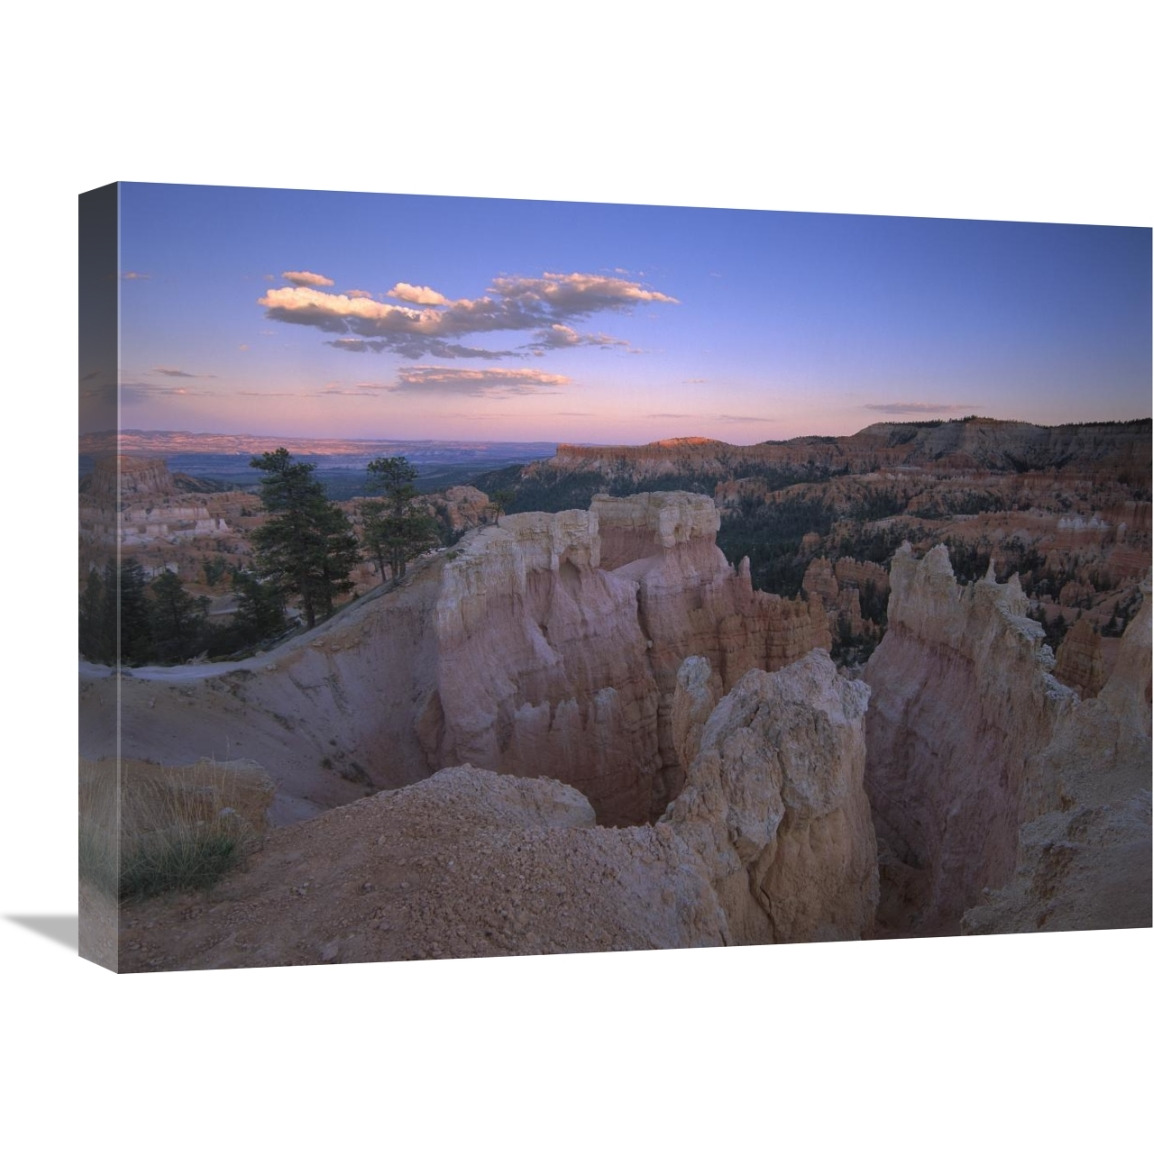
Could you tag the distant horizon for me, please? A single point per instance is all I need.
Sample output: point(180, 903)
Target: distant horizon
point(322, 315)
point(548, 441)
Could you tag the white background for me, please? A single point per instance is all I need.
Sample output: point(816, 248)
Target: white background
point(1001, 110)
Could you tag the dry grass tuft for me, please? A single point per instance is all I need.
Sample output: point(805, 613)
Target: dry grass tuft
point(160, 829)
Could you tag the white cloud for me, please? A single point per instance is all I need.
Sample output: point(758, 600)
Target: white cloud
point(417, 294)
point(511, 304)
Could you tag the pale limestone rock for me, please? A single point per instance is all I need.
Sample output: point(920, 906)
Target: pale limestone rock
point(775, 807)
point(963, 705)
point(697, 692)
point(1085, 864)
point(648, 524)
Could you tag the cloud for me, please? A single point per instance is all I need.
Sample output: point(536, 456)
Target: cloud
point(307, 279)
point(417, 294)
point(494, 383)
point(333, 390)
point(578, 294)
point(738, 420)
point(671, 416)
point(696, 381)
point(136, 276)
point(181, 374)
point(511, 304)
point(133, 392)
point(355, 293)
point(914, 408)
point(415, 347)
point(560, 336)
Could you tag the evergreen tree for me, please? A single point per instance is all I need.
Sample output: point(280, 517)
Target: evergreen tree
point(259, 610)
point(135, 624)
point(179, 620)
point(95, 644)
point(395, 531)
point(307, 546)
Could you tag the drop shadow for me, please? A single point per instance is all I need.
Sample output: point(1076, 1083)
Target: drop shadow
point(62, 928)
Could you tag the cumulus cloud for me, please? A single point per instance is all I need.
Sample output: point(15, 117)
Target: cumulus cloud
point(417, 294)
point(307, 279)
point(511, 304)
point(358, 293)
point(914, 408)
point(477, 382)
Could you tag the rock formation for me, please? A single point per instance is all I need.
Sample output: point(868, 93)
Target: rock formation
point(775, 807)
point(973, 444)
point(1080, 664)
point(962, 698)
point(970, 738)
point(1085, 863)
point(517, 649)
point(133, 501)
point(116, 477)
point(771, 842)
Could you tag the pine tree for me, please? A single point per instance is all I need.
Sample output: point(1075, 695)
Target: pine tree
point(307, 546)
point(95, 644)
point(259, 609)
point(179, 620)
point(135, 623)
point(395, 531)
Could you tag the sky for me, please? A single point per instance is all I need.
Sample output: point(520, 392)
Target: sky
point(325, 314)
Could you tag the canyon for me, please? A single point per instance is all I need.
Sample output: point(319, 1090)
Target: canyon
point(589, 800)
point(587, 729)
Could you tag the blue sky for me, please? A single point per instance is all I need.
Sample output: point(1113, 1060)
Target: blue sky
point(341, 314)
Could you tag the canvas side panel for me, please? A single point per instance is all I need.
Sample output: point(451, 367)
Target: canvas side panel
point(99, 801)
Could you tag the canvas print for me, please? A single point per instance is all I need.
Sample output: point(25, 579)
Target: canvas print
point(465, 577)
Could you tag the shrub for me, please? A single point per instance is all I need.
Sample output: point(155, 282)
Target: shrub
point(174, 829)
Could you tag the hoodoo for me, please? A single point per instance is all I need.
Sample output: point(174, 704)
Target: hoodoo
point(545, 643)
point(971, 738)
